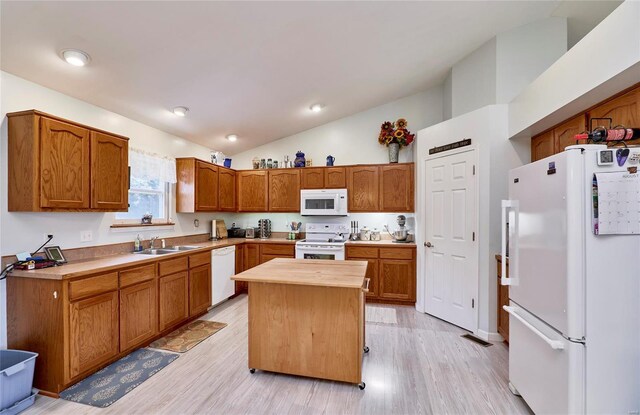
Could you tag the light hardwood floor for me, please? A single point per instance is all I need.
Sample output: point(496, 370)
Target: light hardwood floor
point(417, 364)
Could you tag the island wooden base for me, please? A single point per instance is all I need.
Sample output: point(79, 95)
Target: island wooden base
point(307, 330)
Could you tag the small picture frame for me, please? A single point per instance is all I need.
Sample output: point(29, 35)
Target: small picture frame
point(54, 253)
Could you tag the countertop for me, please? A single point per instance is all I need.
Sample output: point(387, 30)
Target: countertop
point(321, 273)
point(112, 262)
point(384, 242)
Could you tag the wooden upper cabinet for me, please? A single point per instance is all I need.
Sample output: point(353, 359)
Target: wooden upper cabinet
point(335, 177)
point(564, 134)
point(93, 332)
point(197, 187)
point(226, 189)
point(362, 184)
point(251, 190)
point(312, 178)
point(284, 190)
point(109, 172)
point(396, 188)
point(623, 110)
point(543, 146)
point(64, 165)
point(206, 187)
point(58, 165)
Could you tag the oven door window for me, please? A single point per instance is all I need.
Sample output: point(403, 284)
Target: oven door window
point(319, 204)
point(320, 256)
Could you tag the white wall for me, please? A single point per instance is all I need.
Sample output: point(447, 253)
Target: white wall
point(353, 139)
point(447, 97)
point(525, 52)
point(474, 80)
point(487, 127)
point(24, 231)
point(604, 62)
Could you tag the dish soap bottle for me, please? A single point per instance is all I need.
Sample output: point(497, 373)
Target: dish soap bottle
point(137, 244)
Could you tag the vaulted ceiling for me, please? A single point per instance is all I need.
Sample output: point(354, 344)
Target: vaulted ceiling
point(255, 68)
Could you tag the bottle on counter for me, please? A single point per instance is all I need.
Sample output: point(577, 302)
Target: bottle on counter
point(137, 244)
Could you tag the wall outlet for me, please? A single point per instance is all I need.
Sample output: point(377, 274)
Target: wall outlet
point(86, 236)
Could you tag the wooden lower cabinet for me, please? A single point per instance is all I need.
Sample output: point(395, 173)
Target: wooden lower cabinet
point(199, 289)
point(80, 324)
point(396, 279)
point(241, 286)
point(251, 256)
point(138, 314)
point(173, 292)
point(392, 272)
point(93, 332)
point(503, 299)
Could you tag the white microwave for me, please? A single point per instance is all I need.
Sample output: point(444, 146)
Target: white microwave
point(323, 202)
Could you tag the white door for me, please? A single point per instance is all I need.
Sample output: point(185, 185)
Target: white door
point(451, 253)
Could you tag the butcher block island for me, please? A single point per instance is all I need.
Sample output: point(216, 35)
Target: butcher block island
point(306, 317)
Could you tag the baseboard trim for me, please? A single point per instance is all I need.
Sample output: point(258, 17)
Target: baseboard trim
point(490, 337)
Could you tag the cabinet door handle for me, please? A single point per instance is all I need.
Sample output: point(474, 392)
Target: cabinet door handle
point(55, 295)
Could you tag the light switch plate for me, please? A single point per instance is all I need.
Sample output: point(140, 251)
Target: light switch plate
point(86, 236)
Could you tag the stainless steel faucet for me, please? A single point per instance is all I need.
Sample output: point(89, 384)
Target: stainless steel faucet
point(152, 242)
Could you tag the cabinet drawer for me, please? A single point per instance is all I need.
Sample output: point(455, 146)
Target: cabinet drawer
point(396, 253)
point(273, 249)
point(171, 266)
point(136, 275)
point(361, 252)
point(93, 285)
point(196, 260)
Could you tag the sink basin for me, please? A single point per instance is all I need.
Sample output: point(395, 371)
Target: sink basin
point(156, 251)
point(182, 248)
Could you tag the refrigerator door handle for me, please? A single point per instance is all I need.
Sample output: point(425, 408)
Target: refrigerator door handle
point(554, 344)
point(513, 258)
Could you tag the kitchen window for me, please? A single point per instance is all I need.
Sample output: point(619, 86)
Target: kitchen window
point(151, 177)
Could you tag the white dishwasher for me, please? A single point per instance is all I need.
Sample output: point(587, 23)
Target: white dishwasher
point(223, 267)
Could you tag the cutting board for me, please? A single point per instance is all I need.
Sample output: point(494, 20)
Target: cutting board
point(221, 229)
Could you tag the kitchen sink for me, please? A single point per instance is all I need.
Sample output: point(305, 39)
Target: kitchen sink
point(182, 247)
point(163, 251)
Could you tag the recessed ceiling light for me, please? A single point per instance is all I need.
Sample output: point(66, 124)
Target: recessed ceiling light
point(76, 57)
point(232, 137)
point(181, 111)
point(316, 107)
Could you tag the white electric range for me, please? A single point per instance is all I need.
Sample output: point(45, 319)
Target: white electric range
point(324, 241)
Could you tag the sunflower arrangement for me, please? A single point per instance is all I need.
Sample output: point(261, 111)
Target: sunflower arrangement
point(395, 133)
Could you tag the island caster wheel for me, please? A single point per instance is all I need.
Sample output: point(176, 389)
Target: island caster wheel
point(362, 386)
point(366, 349)
point(252, 370)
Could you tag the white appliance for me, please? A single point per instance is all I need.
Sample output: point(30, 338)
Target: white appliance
point(223, 267)
point(323, 202)
point(324, 241)
point(574, 326)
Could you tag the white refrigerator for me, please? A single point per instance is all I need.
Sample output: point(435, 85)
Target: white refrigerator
point(572, 226)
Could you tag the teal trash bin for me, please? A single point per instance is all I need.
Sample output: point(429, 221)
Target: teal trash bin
point(16, 380)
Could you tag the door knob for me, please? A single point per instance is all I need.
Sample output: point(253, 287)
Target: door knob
point(428, 245)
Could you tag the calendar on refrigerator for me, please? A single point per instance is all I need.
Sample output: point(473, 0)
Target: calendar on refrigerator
point(616, 203)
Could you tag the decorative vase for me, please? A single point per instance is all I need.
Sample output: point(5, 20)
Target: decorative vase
point(300, 160)
point(394, 150)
